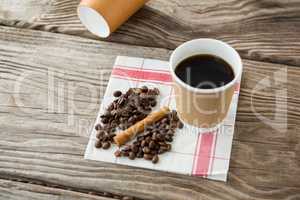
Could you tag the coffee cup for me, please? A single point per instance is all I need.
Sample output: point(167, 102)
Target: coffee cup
point(204, 108)
point(102, 17)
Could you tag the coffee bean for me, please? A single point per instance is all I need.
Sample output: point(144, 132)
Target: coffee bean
point(140, 139)
point(162, 128)
point(169, 146)
point(153, 152)
point(118, 153)
point(137, 90)
point(144, 96)
point(140, 109)
point(131, 119)
point(121, 121)
point(106, 127)
point(98, 144)
point(103, 116)
point(111, 135)
point(147, 133)
point(110, 107)
point(168, 138)
point(144, 89)
point(159, 137)
point(105, 138)
point(140, 154)
point(155, 159)
point(174, 126)
point(112, 129)
point(104, 120)
point(117, 93)
point(98, 127)
point(162, 143)
point(131, 156)
point(145, 103)
point(153, 103)
point(121, 101)
point(148, 156)
point(146, 150)
point(156, 91)
point(106, 145)
point(170, 132)
point(156, 147)
point(172, 115)
point(152, 144)
point(148, 139)
point(135, 148)
point(154, 137)
point(143, 143)
point(129, 92)
point(100, 134)
point(164, 121)
point(114, 113)
point(161, 151)
point(170, 135)
point(180, 125)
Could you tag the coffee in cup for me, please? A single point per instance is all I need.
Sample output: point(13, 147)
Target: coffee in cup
point(204, 71)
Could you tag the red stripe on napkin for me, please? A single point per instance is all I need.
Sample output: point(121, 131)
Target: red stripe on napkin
point(142, 74)
point(146, 69)
point(214, 152)
point(144, 81)
point(203, 156)
point(237, 87)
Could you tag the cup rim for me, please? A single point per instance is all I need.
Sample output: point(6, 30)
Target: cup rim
point(199, 90)
point(97, 16)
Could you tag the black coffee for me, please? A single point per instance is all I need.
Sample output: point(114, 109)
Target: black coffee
point(204, 71)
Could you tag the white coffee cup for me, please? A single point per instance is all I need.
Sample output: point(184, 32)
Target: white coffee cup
point(204, 107)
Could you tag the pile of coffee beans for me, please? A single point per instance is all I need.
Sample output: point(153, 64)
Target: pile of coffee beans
point(127, 109)
point(155, 140)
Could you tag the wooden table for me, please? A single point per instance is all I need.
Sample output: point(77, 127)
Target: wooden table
point(49, 62)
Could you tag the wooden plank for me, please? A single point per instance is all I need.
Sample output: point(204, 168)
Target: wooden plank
point(72, 171)
point(259, 30)
point(43, 139)
point(26, 191)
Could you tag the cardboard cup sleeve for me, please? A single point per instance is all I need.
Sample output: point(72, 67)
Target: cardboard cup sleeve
point(102, 17)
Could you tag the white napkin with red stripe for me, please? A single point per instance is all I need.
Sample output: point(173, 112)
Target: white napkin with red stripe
point(195, 152)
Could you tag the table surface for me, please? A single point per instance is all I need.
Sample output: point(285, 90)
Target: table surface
point(53, 74)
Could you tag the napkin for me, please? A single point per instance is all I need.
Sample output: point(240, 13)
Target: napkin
point(195, 151)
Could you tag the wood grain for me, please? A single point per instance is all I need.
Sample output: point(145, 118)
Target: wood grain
point(72, 171)
point(43, 138)
point(13, 190)
point(265, 30)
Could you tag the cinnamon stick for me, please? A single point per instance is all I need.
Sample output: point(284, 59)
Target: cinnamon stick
point(124, 136)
